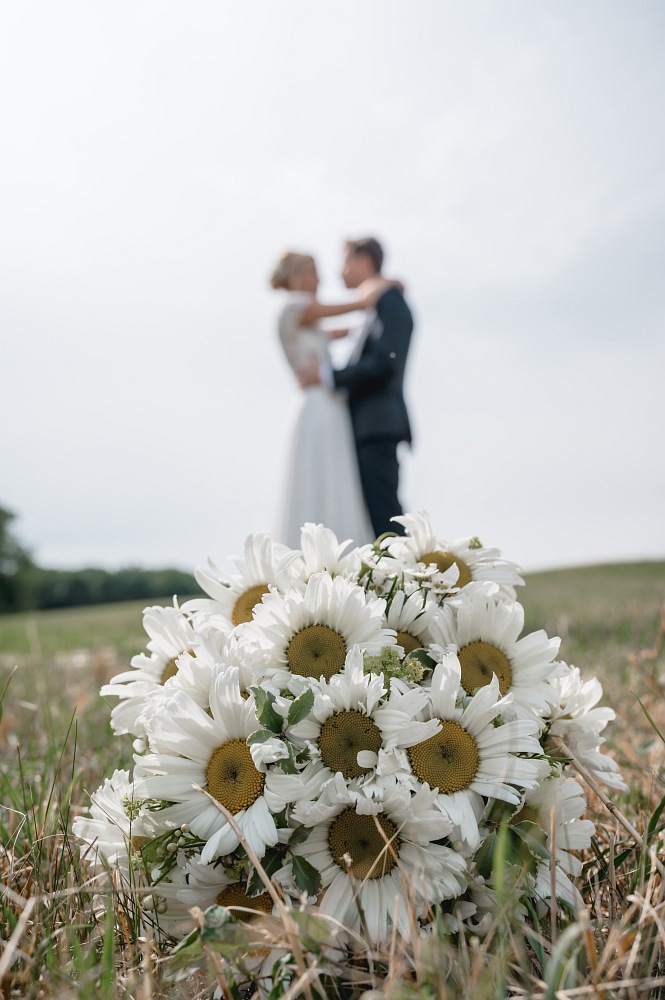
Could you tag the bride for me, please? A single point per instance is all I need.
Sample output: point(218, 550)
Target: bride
point(322, 483)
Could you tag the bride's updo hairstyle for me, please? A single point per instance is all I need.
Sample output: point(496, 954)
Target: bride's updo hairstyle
point(289, 264)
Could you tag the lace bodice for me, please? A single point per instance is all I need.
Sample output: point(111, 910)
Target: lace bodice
point(302, 344)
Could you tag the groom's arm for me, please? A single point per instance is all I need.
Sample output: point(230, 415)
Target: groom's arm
point(377, 366)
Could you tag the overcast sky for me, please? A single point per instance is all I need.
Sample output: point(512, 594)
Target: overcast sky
point(156, 157)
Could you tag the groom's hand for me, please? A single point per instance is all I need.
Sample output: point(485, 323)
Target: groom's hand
point(310, 375)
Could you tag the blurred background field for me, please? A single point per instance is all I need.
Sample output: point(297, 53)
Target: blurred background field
point(601, 613)
point(61, 632)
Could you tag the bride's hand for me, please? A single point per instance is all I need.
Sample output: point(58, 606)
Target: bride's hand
point(338, 334)
point(371, 290)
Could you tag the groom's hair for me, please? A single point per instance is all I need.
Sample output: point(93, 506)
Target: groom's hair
point(369, 246)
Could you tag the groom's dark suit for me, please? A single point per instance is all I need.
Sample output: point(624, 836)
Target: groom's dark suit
point(378, 412)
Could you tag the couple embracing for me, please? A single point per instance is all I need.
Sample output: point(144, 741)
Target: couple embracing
point(342, 468)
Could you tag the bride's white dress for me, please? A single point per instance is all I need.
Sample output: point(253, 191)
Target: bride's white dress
point(321, 482)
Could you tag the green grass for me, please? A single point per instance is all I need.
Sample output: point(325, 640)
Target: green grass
point(97, 627)
point(600, 612)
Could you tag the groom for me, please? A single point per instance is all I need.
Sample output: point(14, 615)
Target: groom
point(373, 380)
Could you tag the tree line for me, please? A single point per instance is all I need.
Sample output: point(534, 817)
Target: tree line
point(26, 586)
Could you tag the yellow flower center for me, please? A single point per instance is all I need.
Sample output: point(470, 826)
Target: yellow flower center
point(408, 642)
point(373, 851)
point(170, 670)
point(231, 776)
point(244, 606)
point(235, 895)
point(342, 736)
point(316, 650)
point(448, 761)
point(444, 560)
point(479, 660)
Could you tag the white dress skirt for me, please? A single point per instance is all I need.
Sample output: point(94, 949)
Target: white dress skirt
point(321, 480)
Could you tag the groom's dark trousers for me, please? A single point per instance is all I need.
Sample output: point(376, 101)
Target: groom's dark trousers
point(374, 383)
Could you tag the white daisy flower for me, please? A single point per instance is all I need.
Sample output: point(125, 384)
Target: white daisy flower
point(215, 652)
point(321, 552)
point(575, 719)
point(564, 890)
point(190, 747)
point(470, 759)
point(450, 565)
point(486, 907)
point(385, 858)
point(571, 833)
point(171, 634)
point(483, 632)
point(565, 798)
point(306, 635)
point(203, 885)
point(113, 825)
point(267, 565)
point(411, 617)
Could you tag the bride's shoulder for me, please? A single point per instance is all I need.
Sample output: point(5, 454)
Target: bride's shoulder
point(290, 311)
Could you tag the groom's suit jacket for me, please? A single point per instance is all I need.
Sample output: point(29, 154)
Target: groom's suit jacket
point(374, 381)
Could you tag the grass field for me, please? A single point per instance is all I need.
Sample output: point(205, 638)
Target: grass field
point(56, 747)
point(114, 629)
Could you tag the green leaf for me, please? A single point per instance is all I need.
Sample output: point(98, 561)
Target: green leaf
point(280, 819)
point(307, 877)
point(288, 764)
point(485, 854)
point(533, 838)
point(496, 811)
point(222, 932)
point(266, 713)
point(215, 919)
point(313, 930)
point(260, 736)
point(301, 707)
point(506, 854)
point(187, 953)
point(272, 861)
point(299, 835)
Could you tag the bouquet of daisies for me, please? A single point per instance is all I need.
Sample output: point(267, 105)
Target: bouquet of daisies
point(359, 726)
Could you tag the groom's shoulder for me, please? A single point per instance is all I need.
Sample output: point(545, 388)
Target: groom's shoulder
point(393, 303)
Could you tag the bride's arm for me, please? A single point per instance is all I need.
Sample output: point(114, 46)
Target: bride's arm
point(317, 310)
point(370, 291)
